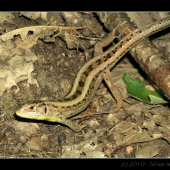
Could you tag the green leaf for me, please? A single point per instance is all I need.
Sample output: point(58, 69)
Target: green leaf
point(136, 88)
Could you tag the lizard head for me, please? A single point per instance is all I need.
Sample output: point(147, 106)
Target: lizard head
point(36, 110)
point(42, 110)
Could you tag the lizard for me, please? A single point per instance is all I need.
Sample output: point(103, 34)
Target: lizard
point(89, 78)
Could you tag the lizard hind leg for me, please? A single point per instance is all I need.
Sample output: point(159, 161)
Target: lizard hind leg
point(114, 90)
point(98, 49)
point(107, 75)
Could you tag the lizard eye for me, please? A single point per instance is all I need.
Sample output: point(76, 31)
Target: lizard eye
point(31, 107)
